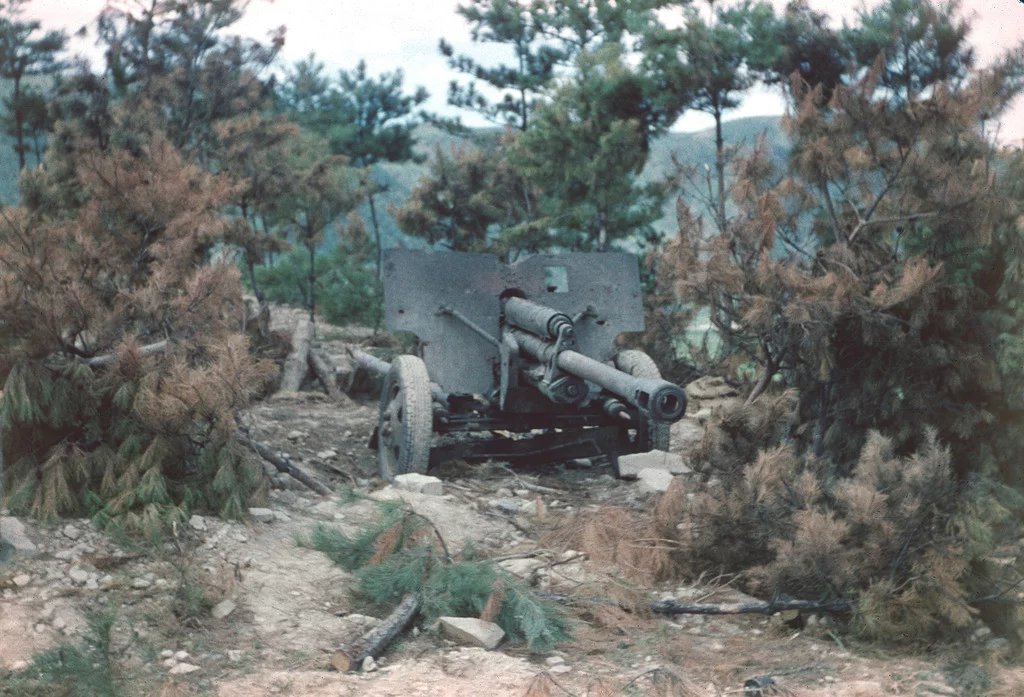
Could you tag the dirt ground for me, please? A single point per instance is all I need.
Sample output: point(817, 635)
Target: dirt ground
point(279, 607)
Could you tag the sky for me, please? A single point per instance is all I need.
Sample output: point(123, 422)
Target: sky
point(392, 34)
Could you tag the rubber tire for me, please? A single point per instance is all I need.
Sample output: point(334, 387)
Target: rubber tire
point(651, 435)
point(405, 407)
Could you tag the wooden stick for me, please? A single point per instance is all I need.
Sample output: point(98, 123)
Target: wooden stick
point(351, 656)
point(673, 607)
point(297, 363)
point(283, 464)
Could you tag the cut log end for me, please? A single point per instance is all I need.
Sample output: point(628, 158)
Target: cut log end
point(342, 662)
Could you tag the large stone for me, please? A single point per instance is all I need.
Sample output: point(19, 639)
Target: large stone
point(420, 484)
point(631, 465)
point(183, 669)
point(223, 609)
point(13, 532)
point(524, 568)
point(654, 480)
point(262, 515)
point(472, 631)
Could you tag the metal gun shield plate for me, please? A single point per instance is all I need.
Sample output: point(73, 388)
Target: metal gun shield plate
point(417, 285)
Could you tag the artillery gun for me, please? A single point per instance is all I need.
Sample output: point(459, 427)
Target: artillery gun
point(516, 361)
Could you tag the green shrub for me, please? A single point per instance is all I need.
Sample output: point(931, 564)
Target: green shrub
point(346, 290)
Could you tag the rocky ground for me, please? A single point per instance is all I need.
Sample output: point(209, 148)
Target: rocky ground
point(237, 609)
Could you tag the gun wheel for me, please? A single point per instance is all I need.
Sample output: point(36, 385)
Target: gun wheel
point(650, 435)
point(405, 419)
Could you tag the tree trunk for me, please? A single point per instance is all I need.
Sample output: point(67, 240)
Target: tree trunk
point(312, 282)
point(325, 373)
point(297, 363)
point(350, 656)
point(19, 121)
point(720, 170)
point(376, 233)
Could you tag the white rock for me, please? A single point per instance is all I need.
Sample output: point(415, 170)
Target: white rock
point(296, 435)
point(508, 506)
point(235, 655)
point(523, 568)
point(183, 669)
point(262, 515)
point(169, 662)
point(327, 454)
point(369, 665)
point(13, 532)
point(654, 480)
point(631, 465)
point(141, 583)
point(282, 517)
point(78, 575)
point(472, 631)
point(554, 660)
point(561, 668)
point(197, 522)
point(166, 653)
point(71, 532)
point(22, 580)
point(223, 609)
point(419, 483)
point(181, 655)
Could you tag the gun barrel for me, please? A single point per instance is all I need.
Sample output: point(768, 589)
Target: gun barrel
point(659, 399)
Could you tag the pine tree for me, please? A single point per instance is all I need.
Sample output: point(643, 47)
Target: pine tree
point(866, 276)
point(584, 153)
point(510, 23)
point(122, 358)
point(23, 55)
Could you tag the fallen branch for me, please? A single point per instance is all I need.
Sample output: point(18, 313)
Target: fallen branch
point(283, 464)
point(325, 373)
point(110, 358)
point(297, 363)
point(350, 656)
point(674, 607)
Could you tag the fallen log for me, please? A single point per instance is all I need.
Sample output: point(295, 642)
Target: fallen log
point(325, 373)
point(351, 656)
point(296, 365)
point(674, 607)
point(283, 464)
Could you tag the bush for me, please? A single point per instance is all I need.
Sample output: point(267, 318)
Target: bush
point(900, 536)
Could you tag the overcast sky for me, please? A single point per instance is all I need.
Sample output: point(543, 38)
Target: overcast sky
point(390, 34)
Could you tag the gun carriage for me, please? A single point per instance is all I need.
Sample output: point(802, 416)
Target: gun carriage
point(516, 361)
